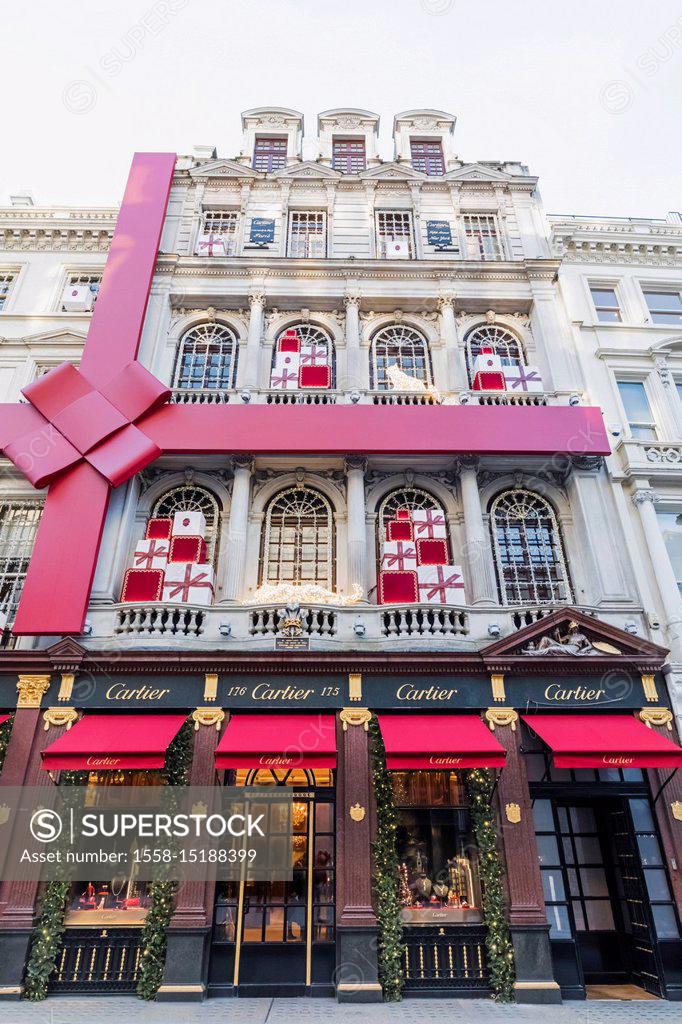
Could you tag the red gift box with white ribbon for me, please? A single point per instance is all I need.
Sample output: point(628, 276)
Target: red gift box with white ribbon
point(398, 554)
point(151, 554)
point(188, 583)
point(289, 342)
point(187, 549)
point(141, 585)
point(440, 584)
point(397, 587)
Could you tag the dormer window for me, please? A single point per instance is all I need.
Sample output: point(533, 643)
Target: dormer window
point(348, 155)
point(270, 153)
point(427, 156)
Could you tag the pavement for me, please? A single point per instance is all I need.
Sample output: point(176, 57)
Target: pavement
point(129, 1010)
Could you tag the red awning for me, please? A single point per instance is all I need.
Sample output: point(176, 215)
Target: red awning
point(439, 742)
point(278, 741)
point(604, 741)
point(101, 742)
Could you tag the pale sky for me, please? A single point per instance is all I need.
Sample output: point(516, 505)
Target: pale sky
point(586, 92)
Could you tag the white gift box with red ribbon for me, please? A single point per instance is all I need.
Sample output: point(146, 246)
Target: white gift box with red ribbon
point(78, 298)
point(428, 523)
point(188, 583)
point(522, 378)
point(440, 584)
point(314, 354)
point(211, 244)
point(284, 376)
point(151, 554)
point(398, 555)
point(189, 524)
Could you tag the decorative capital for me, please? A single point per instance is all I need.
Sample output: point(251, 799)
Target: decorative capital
point(649, 686)
point(676, 808)
point(31, 690)
point(66, 685)
point(208, 716)
point(257, 297)
point(658, 717)
point(355, 462)
point(210, 685)
point(645, 495)
point(497, 684)
point(352, 298)
point(355, 686)
point(501, 717)
point(59, 716)
point(246, 462)
point(355, 716)
point(445, 300)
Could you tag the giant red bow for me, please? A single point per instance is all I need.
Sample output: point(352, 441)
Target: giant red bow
point(75, 420)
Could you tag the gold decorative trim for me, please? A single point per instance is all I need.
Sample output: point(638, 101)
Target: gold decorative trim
point(357, 812)
point(350, 986)
point(649, 684)
point(535, 984)
point(31, 690)
point(497, 683)
point(181, 988)
point(676, 808)
point(208, 716)
point(657, 717)
point(513, 812)
point(355, 686)
point(66, 685)
point(59, 716)
point(210, 685)
point(355, 716)
point(501, 717)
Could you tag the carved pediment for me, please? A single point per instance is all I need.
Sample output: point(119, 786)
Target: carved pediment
point(571, 635)
point(477, 172)
point(309, 169)
point(223, 169)
point(67, 653)
point(399, 171)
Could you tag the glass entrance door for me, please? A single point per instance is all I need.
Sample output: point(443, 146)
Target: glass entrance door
point(278, 937)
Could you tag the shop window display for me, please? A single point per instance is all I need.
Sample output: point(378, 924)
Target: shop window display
point(122, 898)
point(439, 876)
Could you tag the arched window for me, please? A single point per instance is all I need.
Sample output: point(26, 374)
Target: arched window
point(297, 545)
point(189, 498)
point(529, 555)
point(407, 497)
point(207, 358)
point(312, 336)
point(505, 344)
point(402, 346)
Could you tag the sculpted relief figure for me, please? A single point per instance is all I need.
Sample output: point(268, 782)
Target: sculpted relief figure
point(573, 642)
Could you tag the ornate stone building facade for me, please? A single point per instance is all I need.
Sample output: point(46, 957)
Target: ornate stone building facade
point(397, 278)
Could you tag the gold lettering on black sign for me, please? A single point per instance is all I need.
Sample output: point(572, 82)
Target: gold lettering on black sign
point(555, 691)
point(119, 691)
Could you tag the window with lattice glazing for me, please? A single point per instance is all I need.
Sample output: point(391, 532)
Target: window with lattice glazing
point(298, 539)
point(18, 526)
point(307, 234)
point(93, 282)
point(222, 223)
point(7, 280)
point(312, 337)
point(427, 156)
point(503, 343)
point(412, 498)
point(482, 236)
point(269, 153)
point(402, 346)
point(207, 358)
point(394, 226)
point(348, 155)
point(529, 553)
point(190, 498)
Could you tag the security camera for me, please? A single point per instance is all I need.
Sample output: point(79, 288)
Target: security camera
point(225, 629)
point(493, 629)
point(245, 395)
point(574, 400)
point(359, 628)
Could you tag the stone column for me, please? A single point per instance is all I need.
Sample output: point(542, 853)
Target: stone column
point(527, 915)
point(478, 555)
point(189, 933)
point(250, 377)
point(356, 931)
point(23, 768)
point(357, 532)
point(662, 569)
point(356, 378)
point(238, 527)
point(456, 373)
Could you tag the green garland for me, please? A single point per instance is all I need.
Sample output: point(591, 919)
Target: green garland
point(162, 893)
point(480, 783)
point(386, 880)
point(46, 940)
point(5, 733)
